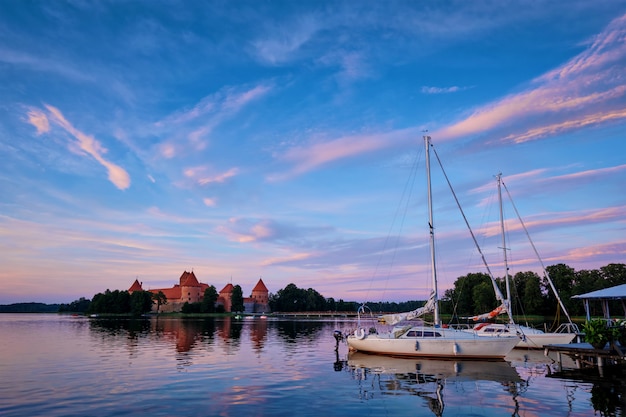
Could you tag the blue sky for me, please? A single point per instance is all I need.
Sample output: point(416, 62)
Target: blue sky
point(274, 139)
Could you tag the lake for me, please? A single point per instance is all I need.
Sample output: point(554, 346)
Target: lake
point(61, 365)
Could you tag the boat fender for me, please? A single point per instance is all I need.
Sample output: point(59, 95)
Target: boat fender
point(455, 348)
point(359, 333)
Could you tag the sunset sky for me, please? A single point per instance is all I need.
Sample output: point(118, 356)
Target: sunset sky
point(276, 139)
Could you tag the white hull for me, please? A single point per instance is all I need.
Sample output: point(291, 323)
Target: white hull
point(529, 338)
point(449, 343)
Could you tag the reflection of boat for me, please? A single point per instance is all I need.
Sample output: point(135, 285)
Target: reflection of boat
point(430, 379)
point(530, 337)
point(429, 341)
point(452, 369)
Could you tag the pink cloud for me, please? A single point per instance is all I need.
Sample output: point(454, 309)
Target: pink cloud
point(243, 230)
point(308, 158)
point(38, 119)
point(590, 173)
point(199, 175)
point(561, 219)
point(86, 144)
point(612, 248)
point(587, 90)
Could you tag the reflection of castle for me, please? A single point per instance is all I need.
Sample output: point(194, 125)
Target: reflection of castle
point(189, 290)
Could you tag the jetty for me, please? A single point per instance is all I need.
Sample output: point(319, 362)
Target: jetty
point(585, 355)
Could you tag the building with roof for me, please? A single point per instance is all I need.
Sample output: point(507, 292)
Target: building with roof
point(604, 296)
point(190, 290)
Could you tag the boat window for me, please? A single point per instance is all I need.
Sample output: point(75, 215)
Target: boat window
point(420, 333)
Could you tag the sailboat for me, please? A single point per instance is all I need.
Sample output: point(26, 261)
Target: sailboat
point(531, 338)
point(429, 341)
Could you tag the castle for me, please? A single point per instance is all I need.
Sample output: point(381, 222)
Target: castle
point(190, 290)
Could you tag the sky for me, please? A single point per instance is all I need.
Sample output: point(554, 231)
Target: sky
point(282, 140)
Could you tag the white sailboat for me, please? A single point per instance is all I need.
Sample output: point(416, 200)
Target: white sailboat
point(530, 337)
point(430, 341)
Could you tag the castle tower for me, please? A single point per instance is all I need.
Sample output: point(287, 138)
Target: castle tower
point(135, 287)
point(260, 293)
point(224, 297)
point(190, 288)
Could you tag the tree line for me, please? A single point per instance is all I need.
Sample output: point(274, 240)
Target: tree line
point(530, 293)
point(471, 294)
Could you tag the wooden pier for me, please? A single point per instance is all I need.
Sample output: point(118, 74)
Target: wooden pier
point(585, 355)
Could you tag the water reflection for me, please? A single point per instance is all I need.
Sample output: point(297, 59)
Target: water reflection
point(608, 391)
point(186, 334)
point(59, 365)
point(430, 378)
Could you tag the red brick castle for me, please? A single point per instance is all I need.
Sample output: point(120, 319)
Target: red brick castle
point(190, 290)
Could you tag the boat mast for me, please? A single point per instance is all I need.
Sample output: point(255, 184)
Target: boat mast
point(545, 273)
point(432, 230)
point(507, 302)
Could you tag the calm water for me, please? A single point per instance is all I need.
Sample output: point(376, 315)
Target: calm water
point(73, 366)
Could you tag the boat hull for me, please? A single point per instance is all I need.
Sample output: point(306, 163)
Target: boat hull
point(449, 343)
point(529, 338)
point(539, 341)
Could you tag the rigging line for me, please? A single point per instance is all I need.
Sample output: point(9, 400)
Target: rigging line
point(537, 254)
point(407, 186)
point(499, 295)
point(412, 177)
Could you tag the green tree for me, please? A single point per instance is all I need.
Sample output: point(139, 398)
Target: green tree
point(462, 294)
point(236, 299)
point(140, 302)
point(209, 300)
point(614, 274)
point(484, 297)
point(528, 290)
point(160, 299)
point(564, 278)
point(78, 306)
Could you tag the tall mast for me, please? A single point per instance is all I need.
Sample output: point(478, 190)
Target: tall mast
point(432, 229)
point(507, 302)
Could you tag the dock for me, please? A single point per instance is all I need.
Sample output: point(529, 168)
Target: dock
point(585, 355)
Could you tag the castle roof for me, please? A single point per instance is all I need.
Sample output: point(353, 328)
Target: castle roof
point(227, 289)
point(260, 287)
point(135, 287)
point(188, 279)
point(173, 293)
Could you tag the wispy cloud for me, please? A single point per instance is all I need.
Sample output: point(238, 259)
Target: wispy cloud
point(442, 90)
point(582, 217)
point(594, 251)
point(521, 177)
point(201, 177)
point(588, 174)
point(281, 44)
point(85, 144)
point(309, 157)
point(265, 230)
point(198, 122)
point(587, 90)
point(38, 119)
